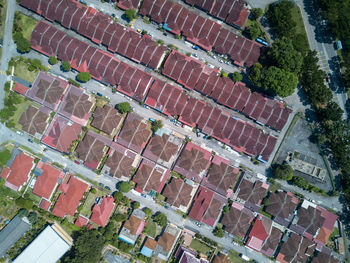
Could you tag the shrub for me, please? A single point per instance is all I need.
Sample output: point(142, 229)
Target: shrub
point(65, 66)
point(83, 77)
point(124, 107)
point(53, 60)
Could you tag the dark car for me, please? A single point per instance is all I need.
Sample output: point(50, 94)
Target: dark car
point(107, 187)
point(76, 162)
point(101, 184)
point(99, 94)
point(30, 140)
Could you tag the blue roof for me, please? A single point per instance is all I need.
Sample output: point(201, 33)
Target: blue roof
point(126, 239)
point(146, 251)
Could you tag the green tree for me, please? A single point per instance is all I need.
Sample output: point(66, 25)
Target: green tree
point(124, 107)
point(257, 13)
point(22, 212)
point(254, 31)
point(218, 232)
point(87, 247)
point(284, 172)
point(148, 211)
point(255, 74)
point(24, 203)
point(226, 209)
point(318, 138)
point(125, 201)
point(300, 182)
point(5, 155)
point(124, 187)
point(160, 219)
point(83, 77)
point(223, 74)
point(117, 197)
point(32, 217)
point(156, 125)
point(65, 66)
point(120, 217)
point(332, 112)
point(93, 191)
point(23, 45)
point(236, 76)
point(135, 204)
point(281, 82)
point(285, 56)
point(53, 60)
point(130, 14)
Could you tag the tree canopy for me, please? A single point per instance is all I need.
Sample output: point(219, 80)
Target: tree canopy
point(218, 232)
point(117, 197)
point(23, 45)
point(255, 74)
point(284, 56)
point(130, 14)
point(156, 125)
point(124, 107)
point(256, 13)
point(83, 77)
point(124, 187)
point(160, 219)
point(284, 172)
point(65, 66)
point(53, 60)
point(280, 81)
point(254, 31)
point(236, 76)
point(332, 112)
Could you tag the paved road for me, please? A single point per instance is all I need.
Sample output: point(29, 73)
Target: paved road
point(7, 47)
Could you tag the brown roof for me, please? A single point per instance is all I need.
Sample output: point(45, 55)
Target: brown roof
point(221, 177)
point(106, 119)
point(192, 160)
point(177, 192)
point(310, 219)
point(296, 249)
point(238, 220)
point(150, 243)
point(147, 178)
point(252, 192)
point(166, 241)
point(161, 147)
point(221, 258)
point(120, 164)
point(324, 258)
point(132, 224)
point(77, 105)
point(281, 204)
point(33, 121)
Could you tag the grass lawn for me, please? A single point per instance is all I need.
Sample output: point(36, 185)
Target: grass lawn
point(150, 228)
point(21, 71)
point(29, 195)
point(234, 257)
point(7, 201)
point(22, 108)
point(90, 200)
point(27, 24)
point(199, 246)
point(300, 28)
point(3, 19)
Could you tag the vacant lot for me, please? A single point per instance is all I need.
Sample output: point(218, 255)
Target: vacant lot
point(27, 24)
point(200, 246)
point(22, 71)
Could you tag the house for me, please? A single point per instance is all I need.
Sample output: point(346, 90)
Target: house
point(72, 190)
point(188, 257)
point(206, 207)
point(166, 241)
point(238, 220)
point(221, 176)
point(282, 206)
point(148, 247)
point(250, 192)
point(179, 193)
point(44, 204)
point(134, 133)
point(163, 148)
point(121, 162)
point(35, 120)
point(91, 149)
point(324, 258)
point(221, 258)
point(193, 162)
point(106, 119)
point(19, 168)
point(81, 221)
point(314, 223)
point(19, 88)
point(47, 178)
point(133, 227)
point(76, 105)
point(295, 249)
point(264, 237)
point(150, 177)
point(49, 246)
point(12, 232)
point(102, 211)
point(61, 134)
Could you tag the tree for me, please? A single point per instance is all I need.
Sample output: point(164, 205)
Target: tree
point(160, 219)
point(124, 187)
point(332, 112)
point(24, 203)
point(93, 191)
point(22, 212)
point(124, 107)
point(125, 201)
point(255, 75)
point(130, 14)
point(65, 66)
point(148, 211)
point(300, 182)
point(318, 138)
point(5, 155)
point(284, 172)
point(285, 56)
point(117, 197)
point(236, 76)
point(32, 217)
point(256, 13)
point(301, 43)
point(53, 60)
point(23, 45)
point(281, 82)
point(156, 125)
point(135, 204)
point(218, 232)
point(87, 247)
point(120, 217)
point(254, 31)
point(83, 77)
point(223, 74)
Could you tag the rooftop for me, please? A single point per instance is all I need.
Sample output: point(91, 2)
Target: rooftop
point(102, 211)
point(81, 221)
point(19, 88)
point(106, 119)
point(34, 121)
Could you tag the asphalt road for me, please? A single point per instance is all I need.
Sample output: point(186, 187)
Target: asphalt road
point(7, 47)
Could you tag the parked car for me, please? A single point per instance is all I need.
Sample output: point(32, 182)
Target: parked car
point(195, 47)
point(76, 162)
point(101, 184)
point(30, 140)
point(107, 187)
point(99, 94)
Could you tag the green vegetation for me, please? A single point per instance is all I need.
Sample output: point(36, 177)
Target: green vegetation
point(24, 203)
point(5, 155)
point(124, 107)
point(130, 14)
point(199, 246)
point(90, 200)
point(218, 232)
point(124, 187)
point(160, 219)
point(156, 125)
point(26, 68)
point(23, 24)
point(135, 205)
point(234, 257)
point(12, 105)
point(283, 171)
point(53, 60)
point(148, 211)
point(73, 82)
point(160, 42)
point(150, 228)
point(256, 13)
point(83, 77)
point(236, 76)
point(65, 66)
point(223, 74)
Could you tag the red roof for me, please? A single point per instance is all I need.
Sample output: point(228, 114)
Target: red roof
point(259, 232)
point(20, 89)
point(69, 199)
point(5, 172)
point(20, 169)
point(201, 203)
point(101, 212)
point(81, 221)
point(44, 204)
point(46, 182)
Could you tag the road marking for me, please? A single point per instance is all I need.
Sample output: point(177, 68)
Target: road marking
point(2, 72)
